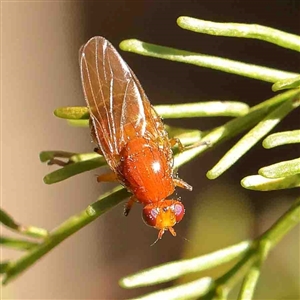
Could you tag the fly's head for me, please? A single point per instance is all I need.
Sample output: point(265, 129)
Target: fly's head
point(163, 215)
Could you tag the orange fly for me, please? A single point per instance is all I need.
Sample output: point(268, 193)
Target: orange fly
point(130, 135)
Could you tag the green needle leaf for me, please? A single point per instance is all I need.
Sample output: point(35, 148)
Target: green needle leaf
point(290, 83)
point(281, 169)
point(251, 31)
point(76, 115)
point(173, 270)
point(73, 113)
point(203, 109)
point(78, 123)
point(17, 243)
point(49, 155)
point(31, 231)
point(3, 267)
point(207, 61)
point(281, 138)
point(7, 220)
point(260, 183)
point(74, 169)
point(185, 291)
point(254, 135)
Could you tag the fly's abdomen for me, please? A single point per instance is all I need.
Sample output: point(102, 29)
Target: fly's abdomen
point(146, 171)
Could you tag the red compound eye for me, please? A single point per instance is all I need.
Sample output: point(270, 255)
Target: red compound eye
point(179, 211)
point(150, 214)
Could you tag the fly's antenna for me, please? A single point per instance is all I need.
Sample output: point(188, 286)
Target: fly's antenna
point(155, 242)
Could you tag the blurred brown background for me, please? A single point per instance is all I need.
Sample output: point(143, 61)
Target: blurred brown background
point(40, 72)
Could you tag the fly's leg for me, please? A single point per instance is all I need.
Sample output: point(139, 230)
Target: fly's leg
point(58, 162)
point(107, 177)
point(97, 150)
point(177, 181)
point(198, 144)
point(174, 141)
point(129, 205)
point(182, 184)
point(182, 148)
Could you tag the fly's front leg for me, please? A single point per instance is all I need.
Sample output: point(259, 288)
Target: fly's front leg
point(129, 205)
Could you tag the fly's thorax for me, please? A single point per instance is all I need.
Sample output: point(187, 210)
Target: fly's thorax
point(145, 170)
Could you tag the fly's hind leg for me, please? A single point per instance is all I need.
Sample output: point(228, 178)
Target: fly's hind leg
point(129, 205)
point(184, 185)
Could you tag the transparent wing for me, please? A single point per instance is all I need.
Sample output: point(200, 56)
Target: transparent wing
point(119, 107)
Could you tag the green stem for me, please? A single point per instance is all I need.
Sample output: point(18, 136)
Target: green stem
point(249, 283)
point(259, 252)
point(66, 229)
point(252, 31)
point(283, 225)
point(207, 61)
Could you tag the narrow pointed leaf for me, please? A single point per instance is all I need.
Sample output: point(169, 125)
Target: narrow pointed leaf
point(73, 113)
point(7, 220)
point(196, 288)
point(203, 109)
point(176, 269)
point(207, 61)
point(3, 267)
point(281, 169)
point(252, 31)
point(281, 138)
point(260, 183)
point(16, 243)
point(289, 83)
point(46, 156)
point(74, 169)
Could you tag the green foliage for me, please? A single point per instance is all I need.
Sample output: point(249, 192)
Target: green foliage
point(256, 121)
